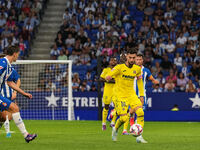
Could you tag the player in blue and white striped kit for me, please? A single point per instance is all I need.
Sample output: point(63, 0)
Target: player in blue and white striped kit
point(9, 93)
point(146, 75)
point(5, 103)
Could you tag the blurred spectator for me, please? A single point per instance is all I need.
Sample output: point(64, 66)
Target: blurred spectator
point(175, 108)
point(156, 69)
point(62, 56)
point(178, 60)
point(170, 47)
point(157, 88)
point(84, 86)
point(74, 57)
point(161, 79)
point(195, 70)
point(93, 88)
point(181, 41)
point(190, 87)
point(185, 69)
point(70, 40)
point(166, 64)
point(54, 51)
point(107, 49)
point(181, 82)
point(50, 86)
point(169, 86)
point(197, 57)
point(22, 48)
point(88, 76)
point(76, 82)
point(172, 76)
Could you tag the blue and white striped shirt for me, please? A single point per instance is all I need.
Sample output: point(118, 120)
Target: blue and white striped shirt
point(6, 90)
point(145, 75)
point(5, 70)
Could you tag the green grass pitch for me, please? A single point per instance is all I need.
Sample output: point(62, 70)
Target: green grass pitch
point(87, 135)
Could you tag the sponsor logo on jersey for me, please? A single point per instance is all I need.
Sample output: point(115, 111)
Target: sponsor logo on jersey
point(124, 70)
point(1, 67)
point(128, 76)
point(134, 72)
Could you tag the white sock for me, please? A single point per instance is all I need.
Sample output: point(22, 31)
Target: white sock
point(112, 122)
point(7, 125)
point(19, 123)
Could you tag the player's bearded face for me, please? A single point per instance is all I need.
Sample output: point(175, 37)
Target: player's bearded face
point(131, 59)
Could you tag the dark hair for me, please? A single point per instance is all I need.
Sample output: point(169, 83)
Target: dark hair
point(11, 50)
point(131, 51)
point(140, 55)
point(2, 55)
point(112, 57)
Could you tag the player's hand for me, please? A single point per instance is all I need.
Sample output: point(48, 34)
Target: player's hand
point(156, 82)
point(142, 99)
point(108, 78)
point(28, 95)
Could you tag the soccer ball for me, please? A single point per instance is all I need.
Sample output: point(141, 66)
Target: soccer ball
point(136, 130)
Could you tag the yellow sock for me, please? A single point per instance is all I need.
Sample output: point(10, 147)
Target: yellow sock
point(104, 115)
point(118, 124)
point(121, 120)
point(114, 117)
point(127, 123)
point(140, 116)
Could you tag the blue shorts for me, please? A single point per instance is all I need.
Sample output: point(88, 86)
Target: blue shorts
point(4, 103)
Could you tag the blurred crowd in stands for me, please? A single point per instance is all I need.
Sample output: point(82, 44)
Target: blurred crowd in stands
point(167, 32)
point(19, 20)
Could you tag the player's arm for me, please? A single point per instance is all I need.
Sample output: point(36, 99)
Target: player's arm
point(104, 80)
point(14, 94)
point(154, 81)
point(103, 75)
point(114, 72)
point(16, 88)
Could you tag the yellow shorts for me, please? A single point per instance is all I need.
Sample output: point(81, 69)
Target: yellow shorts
point(121, 106)
point(134, 101)
point(107, 99)
point(114, 98)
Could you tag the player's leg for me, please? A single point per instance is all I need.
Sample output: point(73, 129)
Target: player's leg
point(121, 108)
point(136, 106)
point(126, 125)
point(104, 116)
point(113, 113)
point(127, 121)
point(7, 116)
point(6, 104)
point(107, 101)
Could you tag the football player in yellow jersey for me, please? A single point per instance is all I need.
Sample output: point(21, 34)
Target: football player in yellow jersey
point(108, 92)
point(124, 76)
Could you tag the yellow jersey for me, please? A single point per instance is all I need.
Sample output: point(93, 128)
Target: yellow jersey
point(108, 87)
point(124, 80)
